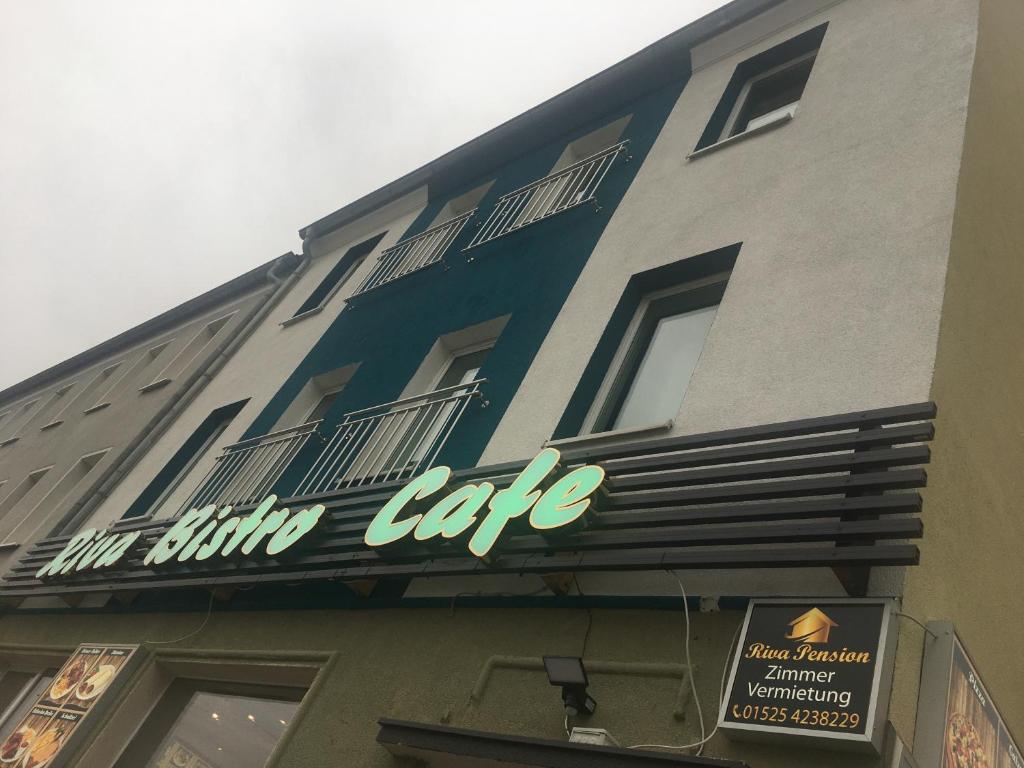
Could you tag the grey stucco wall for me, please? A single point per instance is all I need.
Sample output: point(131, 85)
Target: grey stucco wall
point(844, 214)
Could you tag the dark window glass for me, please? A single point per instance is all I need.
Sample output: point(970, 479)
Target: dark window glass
point(212, 724)
point(182, 462)
point(773, 92)
point(340, 273)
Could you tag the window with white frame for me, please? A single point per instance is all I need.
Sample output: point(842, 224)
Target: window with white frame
point(770, 96)
point(765, 89)
point(190, 353)
point(656, 359)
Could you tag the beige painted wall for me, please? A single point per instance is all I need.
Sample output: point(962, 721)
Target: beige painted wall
point(110, 428)
point(971, 569)
point(384, 668)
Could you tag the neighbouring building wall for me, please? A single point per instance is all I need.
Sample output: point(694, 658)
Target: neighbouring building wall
point(971, 568)
point(79, 435)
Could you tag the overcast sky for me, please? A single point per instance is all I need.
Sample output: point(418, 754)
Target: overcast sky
point(150, 151)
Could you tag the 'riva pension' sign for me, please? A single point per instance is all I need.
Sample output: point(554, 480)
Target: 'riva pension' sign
point(204, 534)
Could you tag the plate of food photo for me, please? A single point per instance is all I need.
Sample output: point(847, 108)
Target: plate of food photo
point(963, 744)
point(16, 744)
point(93, 685)
point(44, 748)
point(67, 681)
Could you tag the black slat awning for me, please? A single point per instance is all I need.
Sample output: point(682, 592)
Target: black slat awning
point(441, 745)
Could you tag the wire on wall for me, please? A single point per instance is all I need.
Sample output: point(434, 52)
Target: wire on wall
point(721, 688)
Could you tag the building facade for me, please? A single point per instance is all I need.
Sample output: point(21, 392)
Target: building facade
point(666, 355)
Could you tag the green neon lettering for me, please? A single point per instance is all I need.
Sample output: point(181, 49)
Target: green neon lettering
point(189, 550)
point(178, 535)
point(455, 513)
point(514, 501)
point(249, 524)
point(299, 525)
point(115, 553)
point(567, 499)
point(269, 524)
point(384, 528)
point(209, 549)
point(66, 556)
point(102, 543)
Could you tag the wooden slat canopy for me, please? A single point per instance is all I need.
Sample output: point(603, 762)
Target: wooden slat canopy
point(836, 491)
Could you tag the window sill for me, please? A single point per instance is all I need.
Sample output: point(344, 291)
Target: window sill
point(51, 425)
point(155, 385)
point(7, 545)
point(10, 441)
point(97, 407)
point(303, 316)
point(593, 437)
point(782, 120)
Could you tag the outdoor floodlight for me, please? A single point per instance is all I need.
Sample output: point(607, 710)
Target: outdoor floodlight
point(568, 673)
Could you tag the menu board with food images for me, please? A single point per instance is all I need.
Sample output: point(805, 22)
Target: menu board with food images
point(975, 735)
point(76, 688)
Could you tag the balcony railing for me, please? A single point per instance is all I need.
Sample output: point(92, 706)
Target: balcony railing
point(391, 441)
point(246, 471)
point(414, 253)
point(572, 186)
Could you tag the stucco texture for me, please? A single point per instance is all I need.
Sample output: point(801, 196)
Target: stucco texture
point(422, 665)
point(971, 570)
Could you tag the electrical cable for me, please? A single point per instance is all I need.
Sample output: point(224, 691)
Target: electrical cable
point(689, 664)
point(590, 619)
point(721, 701)
point(209, 610)
point(922, 626)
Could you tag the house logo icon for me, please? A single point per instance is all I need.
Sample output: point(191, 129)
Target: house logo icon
point(811, 627)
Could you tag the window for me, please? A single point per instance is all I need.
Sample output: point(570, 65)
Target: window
point(184, 359)
point(205, 723)
point(436, 412)
point(144, 362)
point(24, 527)
point(17, 421)
point(772, 96)
point(99, 388)
point(657, 360)
point(50, 414)
point(765, 89)
point(323, 405)
point(21, 490)
point(183, 461)
point(19, 691)
point(339, 275)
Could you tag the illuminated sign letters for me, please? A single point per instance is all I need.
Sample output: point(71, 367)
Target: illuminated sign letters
point(208, 533)
point(196, 536)
point(558, 504)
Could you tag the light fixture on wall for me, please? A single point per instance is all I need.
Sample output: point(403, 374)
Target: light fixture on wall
point(568, 673)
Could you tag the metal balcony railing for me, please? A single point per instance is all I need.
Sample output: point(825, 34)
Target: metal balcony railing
point(415, 253)
point(246, 471)
point(572, 186)
point(391, 441)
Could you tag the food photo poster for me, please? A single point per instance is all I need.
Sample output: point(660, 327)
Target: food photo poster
point(976, 736)
point(76, 688)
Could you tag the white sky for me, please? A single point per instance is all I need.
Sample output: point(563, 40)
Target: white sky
point(150, 151)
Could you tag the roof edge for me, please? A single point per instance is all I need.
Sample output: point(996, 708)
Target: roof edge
point(224, 292)
point(655, 55)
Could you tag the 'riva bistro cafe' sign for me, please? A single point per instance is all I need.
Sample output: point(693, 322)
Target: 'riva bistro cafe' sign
point(205, 534)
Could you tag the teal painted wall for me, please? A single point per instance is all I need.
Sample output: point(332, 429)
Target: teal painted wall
point(527, 275)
